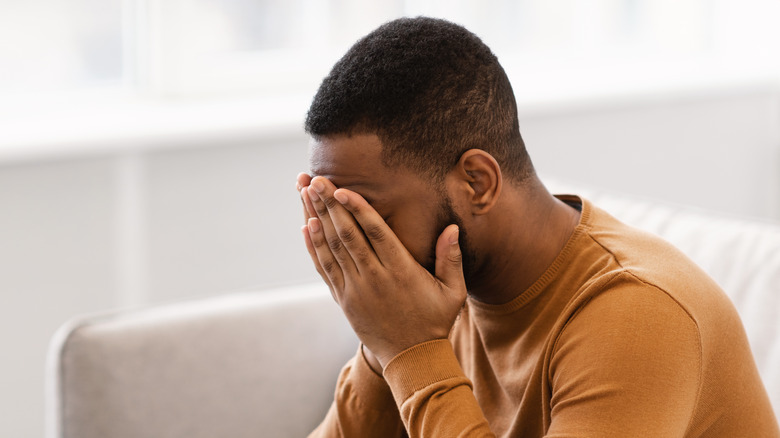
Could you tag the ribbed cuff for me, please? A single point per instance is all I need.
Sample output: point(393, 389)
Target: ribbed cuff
point(421, 366)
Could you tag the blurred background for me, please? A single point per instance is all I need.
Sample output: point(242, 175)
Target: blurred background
point(148, 148)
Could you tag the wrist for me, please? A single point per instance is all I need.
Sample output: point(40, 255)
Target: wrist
point(371, 360)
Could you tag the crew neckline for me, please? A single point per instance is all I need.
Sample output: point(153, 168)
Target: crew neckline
point(563, 258)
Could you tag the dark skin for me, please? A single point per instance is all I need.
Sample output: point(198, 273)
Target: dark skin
point(381, 240)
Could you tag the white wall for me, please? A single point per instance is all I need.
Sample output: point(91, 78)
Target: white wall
point(139, 226)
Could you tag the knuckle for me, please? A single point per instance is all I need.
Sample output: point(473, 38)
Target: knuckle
point(329, 266)
point(320, 209)
point(317, 240)
point(398, 276)
point(335, 244)
point(363, 256)
point(356, 210)
point(330, 202)
point(349, 235)
point(376, 233)
point(380, 278)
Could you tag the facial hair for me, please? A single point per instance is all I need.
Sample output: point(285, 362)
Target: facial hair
point(446, 216)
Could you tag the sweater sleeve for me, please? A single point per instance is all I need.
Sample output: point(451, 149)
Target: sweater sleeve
point(363, 405)
point(433, 395)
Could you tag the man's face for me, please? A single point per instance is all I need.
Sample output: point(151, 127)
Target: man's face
point(415, 208)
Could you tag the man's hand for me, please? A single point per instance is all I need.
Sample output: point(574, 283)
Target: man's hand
point(302, 182)
point(391, 301)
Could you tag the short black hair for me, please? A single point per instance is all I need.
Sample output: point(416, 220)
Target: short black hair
point(430, 90)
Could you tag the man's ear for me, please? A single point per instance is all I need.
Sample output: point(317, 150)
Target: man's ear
point(477, 177)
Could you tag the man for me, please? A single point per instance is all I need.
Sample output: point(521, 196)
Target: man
point(486, 306)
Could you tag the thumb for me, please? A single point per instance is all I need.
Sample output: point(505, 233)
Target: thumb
point(449, 260)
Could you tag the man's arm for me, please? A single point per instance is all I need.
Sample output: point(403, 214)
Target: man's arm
point(363, 405)
point(434, 396)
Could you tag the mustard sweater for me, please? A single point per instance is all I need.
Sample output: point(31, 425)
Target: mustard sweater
point(622, 336)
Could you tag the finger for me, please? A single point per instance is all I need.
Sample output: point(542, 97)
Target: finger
point(347, 228)
point(320, 193)
point(449, 260)
point(313, 254)
point(308, 208)
point(324, 253)
point(301, 183)
point(315, 260)
point(385, 243)
point(330, 267)
point(302, 180)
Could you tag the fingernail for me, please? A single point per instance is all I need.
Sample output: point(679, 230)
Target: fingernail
point(314, 225)
point(317, 186)
point(313, 196)
point(454, 236)
point(341, 197)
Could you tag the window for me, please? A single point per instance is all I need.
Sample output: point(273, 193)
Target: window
point(54, 44)
point(197, 47)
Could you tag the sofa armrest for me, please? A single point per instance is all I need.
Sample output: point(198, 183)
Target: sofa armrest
point(240, 365)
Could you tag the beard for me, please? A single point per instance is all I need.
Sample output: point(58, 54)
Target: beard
point(446, 216)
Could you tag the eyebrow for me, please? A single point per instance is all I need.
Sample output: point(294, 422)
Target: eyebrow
point(356, 184)
point(337, 181)
point(372, 197)
point(368, 197)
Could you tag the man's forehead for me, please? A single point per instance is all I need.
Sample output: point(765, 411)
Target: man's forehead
point(347, 160)
point(346, 176)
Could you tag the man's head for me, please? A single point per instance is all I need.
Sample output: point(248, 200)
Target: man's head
point(419, 118)
point(430, 90)
point(415, 210)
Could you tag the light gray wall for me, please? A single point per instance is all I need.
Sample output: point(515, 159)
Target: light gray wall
point(138, 227)
point(225, 218)
point(720, 152)
point(56, 246)
point(75, 238)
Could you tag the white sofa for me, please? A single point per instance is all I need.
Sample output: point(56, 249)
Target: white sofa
point(264, 364)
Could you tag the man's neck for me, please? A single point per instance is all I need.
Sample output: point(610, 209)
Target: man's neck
point(525, 241)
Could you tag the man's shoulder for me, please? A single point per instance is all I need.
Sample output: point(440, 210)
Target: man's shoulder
point(651, 263)
point(642, 279)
